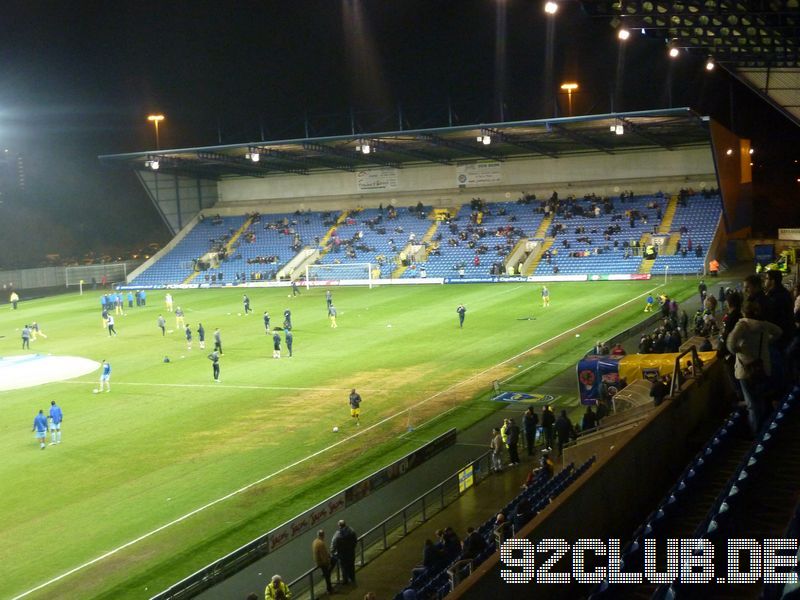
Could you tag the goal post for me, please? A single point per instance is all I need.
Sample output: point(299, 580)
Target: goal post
point(351, 273)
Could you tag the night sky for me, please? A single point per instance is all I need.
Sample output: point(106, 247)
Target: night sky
point(77, 79)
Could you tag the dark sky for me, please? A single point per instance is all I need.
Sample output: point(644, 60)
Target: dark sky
point(77, 79)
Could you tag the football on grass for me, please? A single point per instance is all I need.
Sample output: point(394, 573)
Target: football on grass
point(335, 430)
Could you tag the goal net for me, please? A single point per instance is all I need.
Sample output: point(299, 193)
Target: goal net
point(351, 273)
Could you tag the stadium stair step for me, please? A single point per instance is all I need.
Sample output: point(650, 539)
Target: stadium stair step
point(533, 261)
point(325, 238)
point(669, 215)
point(228, 247)
point(544, 227)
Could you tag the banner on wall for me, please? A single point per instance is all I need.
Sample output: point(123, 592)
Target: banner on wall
point(479, 173)
point(377, 180)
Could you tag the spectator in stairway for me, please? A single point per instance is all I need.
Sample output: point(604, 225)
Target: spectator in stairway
point(530, 421)
point(522, 514)
point(753, 292)
point(343, 548)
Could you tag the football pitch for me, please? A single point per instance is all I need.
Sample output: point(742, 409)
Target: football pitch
point(171, 470)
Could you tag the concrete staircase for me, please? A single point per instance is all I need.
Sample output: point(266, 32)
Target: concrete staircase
point(425, 241)
point(668, 216)
point(323, 242)
point(544, 227)
point(228, 246)
point(533, 260)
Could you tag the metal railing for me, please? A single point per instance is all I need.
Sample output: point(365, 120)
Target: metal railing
point(679, 376)
point(391, 530)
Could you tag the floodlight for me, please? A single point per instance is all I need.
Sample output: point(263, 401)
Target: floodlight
point(619, 129)
point(254, 156)
point(550, 8)
point(674, 52)
point(729, 151)
point(710, 64)
point(487, 139)
point(623, 34)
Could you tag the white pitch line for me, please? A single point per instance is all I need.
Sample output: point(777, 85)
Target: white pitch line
point(309, 457)
point(226, 386)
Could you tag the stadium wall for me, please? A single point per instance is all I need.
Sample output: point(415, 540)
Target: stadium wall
point(645, 171)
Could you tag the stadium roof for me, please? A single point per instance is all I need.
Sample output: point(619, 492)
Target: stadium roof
point(667, 129)
point(756, 40)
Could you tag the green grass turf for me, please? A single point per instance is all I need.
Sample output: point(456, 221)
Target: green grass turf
point(167, 440)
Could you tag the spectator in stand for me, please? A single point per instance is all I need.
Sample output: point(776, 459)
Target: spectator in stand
point(780, 306)
point(322, 558)
point(277, 590)
point(564, 430)
point(343, 549)
point(431, 558)
point(522, 514)
point(548, 426)
point(659, 389)
point(496, 444)
point(473, 544)
point(749, 341)
point(754, 292)
point(512, 432)
point(589, 420)
point(530, 421)
point(503, 529)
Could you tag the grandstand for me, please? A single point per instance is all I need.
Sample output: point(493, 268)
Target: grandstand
point(578, 241)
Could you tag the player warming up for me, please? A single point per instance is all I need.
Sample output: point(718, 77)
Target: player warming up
point(56, 416)
point(545, 296)
point(214, 358)
point(105, 377)
point(462, 312)
point(355, 406)
point(40, 427)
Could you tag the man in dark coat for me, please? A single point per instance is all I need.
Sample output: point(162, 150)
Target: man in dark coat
point(529, 422)
point(343, 547)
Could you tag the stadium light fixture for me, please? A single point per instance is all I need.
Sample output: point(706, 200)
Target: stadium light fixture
point(152, 164)
point(751, 151)
point(155, 120)
point(484, 139)
point(623, 34)
point(710, 64)
point(253, 156)
point(619, 129)
point(729, 152)
point(569, 88)
point(550, 8)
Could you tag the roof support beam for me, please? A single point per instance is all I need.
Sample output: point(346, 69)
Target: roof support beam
point(579, 137)
point(350, 155)
point(642, 133)
point(460, 147)
point(517, 141)
point(239, 164)
point(397, 149)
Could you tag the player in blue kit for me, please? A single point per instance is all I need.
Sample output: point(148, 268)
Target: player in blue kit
point(40, 427)
point(105, 377)
point(56, 416)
